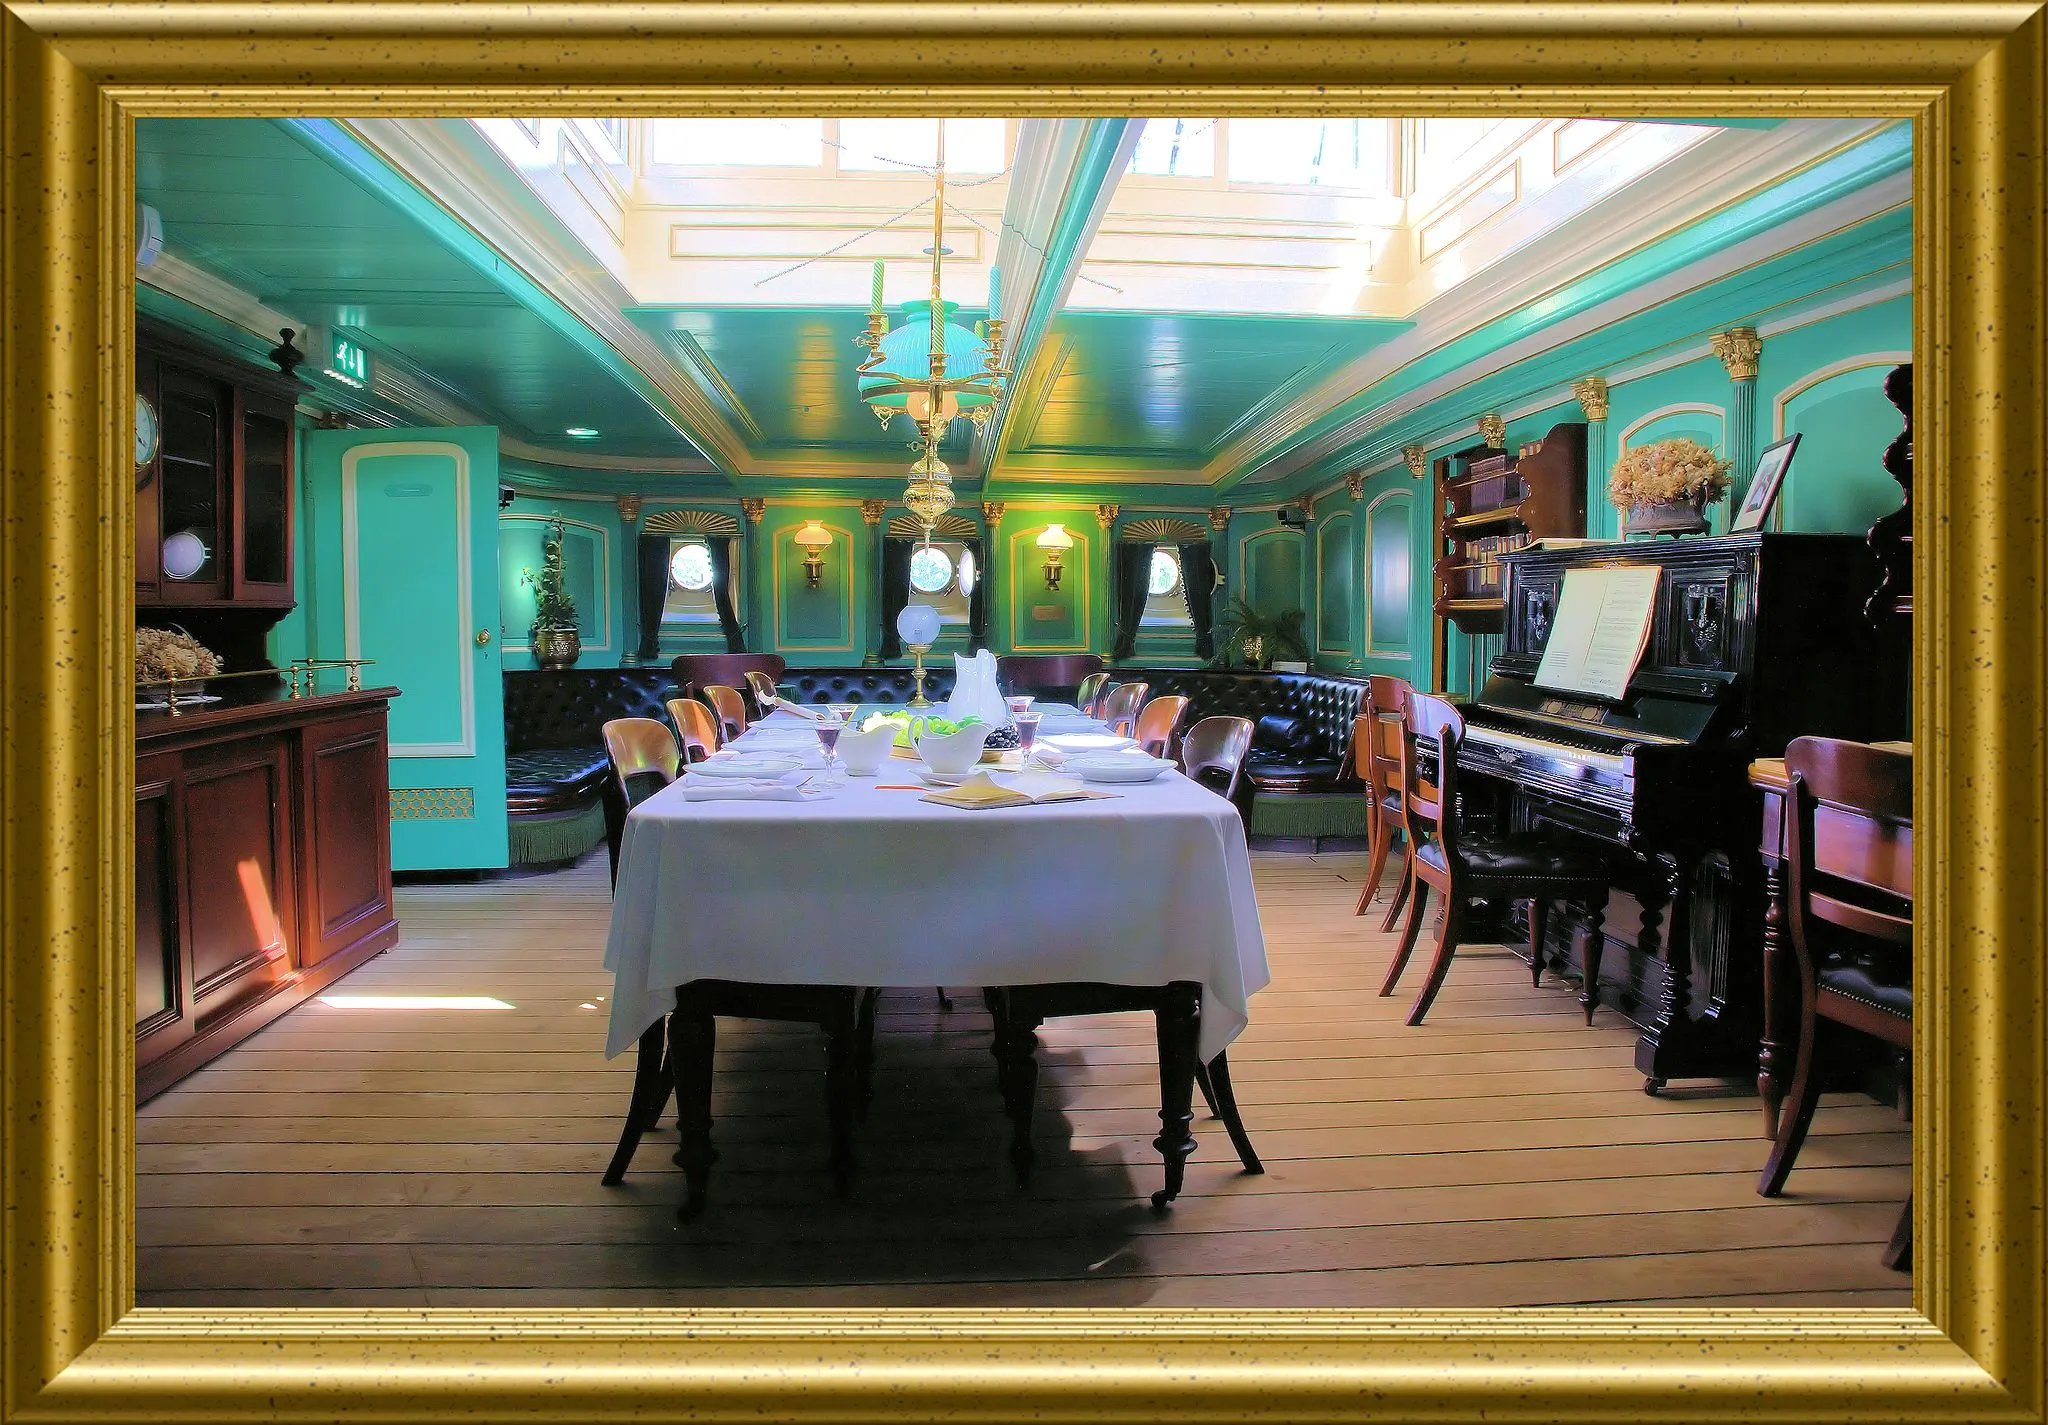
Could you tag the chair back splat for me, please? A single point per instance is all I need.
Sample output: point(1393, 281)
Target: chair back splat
point(731, 709)
point(1090, 692)
point(1377, 759)
point(644, 759)
point(698, 728)
point(1213, 752)
point(763, 688)
point(1159, 723)
point(1120, 708)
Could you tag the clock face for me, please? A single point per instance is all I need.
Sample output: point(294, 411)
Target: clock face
point(145, 430)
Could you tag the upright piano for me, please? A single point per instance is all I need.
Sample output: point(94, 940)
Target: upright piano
point(1756, 638)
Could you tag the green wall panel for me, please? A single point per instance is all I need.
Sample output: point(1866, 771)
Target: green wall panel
point(821, 623)
point(588, 572)
point(1272, 562)
point(1334, 580)
point(1836, 482)
point(1393, 593)
point(1035, 619)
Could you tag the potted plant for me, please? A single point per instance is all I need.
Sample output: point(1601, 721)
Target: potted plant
point(1248, 638)
point(1666, 486)
point(556, 643)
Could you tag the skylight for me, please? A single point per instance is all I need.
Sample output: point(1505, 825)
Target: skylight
point(737, 143)
point(1355, 154)
point(1176, 148)
point(906, 145)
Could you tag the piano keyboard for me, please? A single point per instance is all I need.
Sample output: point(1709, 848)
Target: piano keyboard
point(1510, 746)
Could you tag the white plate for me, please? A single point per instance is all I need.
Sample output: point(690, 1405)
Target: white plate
point(1116, 769)
point(755, 765)
point(1083, 742)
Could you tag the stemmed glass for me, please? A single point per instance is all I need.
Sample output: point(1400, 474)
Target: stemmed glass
point(1027, 732)
point(828, 729)
point(844, 711)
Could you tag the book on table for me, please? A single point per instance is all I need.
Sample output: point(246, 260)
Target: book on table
point(982, 792)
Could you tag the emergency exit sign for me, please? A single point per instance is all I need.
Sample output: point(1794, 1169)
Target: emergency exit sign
point(349, 362)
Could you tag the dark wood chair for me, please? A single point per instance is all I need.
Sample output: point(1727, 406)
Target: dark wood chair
point(644, 758)
point(1120, 708)
point(1090, 692)
point(1213, 753)
point(1159, 724)
point(1849, 897)
point(698, 727)
point(1377, 743)
point(674, 1055)
point(731, 709)
point(1044, 675)
point(1532, 866)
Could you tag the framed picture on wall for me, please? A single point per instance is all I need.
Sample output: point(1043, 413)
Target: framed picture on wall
point(1771, 466)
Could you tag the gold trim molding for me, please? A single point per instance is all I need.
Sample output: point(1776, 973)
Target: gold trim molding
point(1591, 394)
point(692, 522)
point(1971, 81)
point(1417, 459)
point(1739, 348)
point(947, 527)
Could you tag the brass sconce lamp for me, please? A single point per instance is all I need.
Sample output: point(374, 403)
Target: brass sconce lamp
point(1054, 542)
point(813, 538)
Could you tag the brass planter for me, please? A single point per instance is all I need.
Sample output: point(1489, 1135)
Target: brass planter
point(557, 648)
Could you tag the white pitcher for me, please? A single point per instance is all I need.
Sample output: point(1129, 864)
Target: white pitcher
point(974, 690)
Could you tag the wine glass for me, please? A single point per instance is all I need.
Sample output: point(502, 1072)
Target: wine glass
point(1018, 706)
point(828, 729)
point(1027, 731)
point(844, 711)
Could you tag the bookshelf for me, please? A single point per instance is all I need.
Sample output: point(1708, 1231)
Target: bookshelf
point(1490, 503)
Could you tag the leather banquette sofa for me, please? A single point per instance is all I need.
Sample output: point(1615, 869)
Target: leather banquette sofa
point(555, 765)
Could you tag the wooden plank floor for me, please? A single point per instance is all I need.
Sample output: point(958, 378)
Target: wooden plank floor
point(1502, 1154)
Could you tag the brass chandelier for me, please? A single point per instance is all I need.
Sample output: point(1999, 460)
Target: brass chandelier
point(930, 369)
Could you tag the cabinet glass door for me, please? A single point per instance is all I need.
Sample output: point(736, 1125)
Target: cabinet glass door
point(194, 431)
point(263, 554)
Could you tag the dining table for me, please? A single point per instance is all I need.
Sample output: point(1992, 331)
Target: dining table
point(830, 879)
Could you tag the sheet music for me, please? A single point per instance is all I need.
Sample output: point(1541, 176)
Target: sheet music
point(1600, 631)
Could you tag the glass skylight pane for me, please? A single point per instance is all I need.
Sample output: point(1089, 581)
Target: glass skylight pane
point(906, 145)
point(737, 143)
point(1328, 153)
point(1447, 138)
point(1176, 148)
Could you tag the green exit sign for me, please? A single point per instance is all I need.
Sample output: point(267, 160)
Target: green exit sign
point(349, 362)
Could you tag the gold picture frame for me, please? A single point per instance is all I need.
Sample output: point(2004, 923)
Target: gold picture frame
point(74, 74)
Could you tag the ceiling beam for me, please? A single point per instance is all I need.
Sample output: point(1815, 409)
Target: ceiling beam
point(518, 273)
point(1061, 180)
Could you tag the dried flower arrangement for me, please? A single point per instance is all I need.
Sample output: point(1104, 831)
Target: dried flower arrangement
point(1667, 472)
point(165, 653)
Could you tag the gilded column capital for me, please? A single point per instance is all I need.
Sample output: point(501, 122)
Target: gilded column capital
point(1108, 513)
point(1591, 394)
point(992, 511)
point(1493, 430)
point(1219, 518)
point(1739, 348)
point(1417, 457)
point(629, 508)
point(1355, 483)
point(753, 509)
point(871, 511)
point(1307, 505)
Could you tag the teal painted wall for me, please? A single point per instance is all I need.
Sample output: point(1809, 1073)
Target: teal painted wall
point(593, 570)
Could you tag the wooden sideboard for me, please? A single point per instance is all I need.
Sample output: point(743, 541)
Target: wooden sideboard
point(262, 866)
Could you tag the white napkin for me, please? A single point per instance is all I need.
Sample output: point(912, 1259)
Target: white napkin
point(785, 705)
point(1046, 755)
point(789, 787)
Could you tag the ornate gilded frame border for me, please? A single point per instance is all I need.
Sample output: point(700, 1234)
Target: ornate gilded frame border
point(75, 71)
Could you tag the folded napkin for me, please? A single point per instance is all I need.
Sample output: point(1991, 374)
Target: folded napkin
point(1046, 755)
point(808, 714)
point(789, 787)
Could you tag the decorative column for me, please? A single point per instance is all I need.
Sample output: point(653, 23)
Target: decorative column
point(1494, 431)
point(1739, 348)
point(1219, 544)
point(756, 639)
point(628, 578)
point(1591, 394)
point(998, 593)
point(1354, 485)
point(1105, 515)
point(871, 513)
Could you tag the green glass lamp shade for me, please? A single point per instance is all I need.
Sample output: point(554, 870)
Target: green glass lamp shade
point(907, 353)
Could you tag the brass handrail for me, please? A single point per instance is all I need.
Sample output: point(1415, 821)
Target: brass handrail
point(291, 672)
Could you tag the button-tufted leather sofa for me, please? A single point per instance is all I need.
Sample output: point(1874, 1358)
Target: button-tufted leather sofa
point(879, 686)
point(1301, 721)
point(554, 751)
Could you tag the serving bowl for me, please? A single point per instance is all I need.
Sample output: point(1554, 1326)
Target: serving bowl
point(955, 751)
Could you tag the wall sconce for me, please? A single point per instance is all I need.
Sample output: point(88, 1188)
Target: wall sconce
point(813, 537)
point(1053, 542)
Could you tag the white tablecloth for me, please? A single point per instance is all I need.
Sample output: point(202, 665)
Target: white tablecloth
point(872, 887)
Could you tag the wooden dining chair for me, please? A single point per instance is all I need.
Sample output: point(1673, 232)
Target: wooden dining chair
point(698, 727)
point(1120, 708)
point(1849, 898)
point(1159, 724)
point(763, 688)
point(731, 709)
point(1530, 865)
point(644, 758)
point(1213, 752)
point(1377, 742)
point(1090, 692)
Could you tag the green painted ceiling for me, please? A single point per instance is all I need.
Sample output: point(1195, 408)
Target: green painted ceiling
point(248, 202)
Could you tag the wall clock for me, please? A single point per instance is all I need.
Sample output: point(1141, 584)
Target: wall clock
point(147, 433)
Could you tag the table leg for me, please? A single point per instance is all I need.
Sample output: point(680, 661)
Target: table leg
point(1179, 1028)
point(842, 1086)
point(692, 1039)
point(1016, 1051)
point(1778, 1046)
point(864, 1053)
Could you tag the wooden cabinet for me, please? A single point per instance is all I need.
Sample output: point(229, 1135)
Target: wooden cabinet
point(262, 867)
point(1491, 503)
point(221, 475)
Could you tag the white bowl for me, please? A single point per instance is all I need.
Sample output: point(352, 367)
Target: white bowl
point(956, 751)
point(1116, 769)
point(865, 752)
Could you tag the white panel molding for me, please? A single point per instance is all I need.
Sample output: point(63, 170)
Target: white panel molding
point(1677, 408)
point(351, 582)
point(1829, 372)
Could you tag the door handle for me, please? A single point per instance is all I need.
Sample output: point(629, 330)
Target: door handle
point(483, 637)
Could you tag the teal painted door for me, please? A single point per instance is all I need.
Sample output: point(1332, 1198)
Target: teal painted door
point(405, 571)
